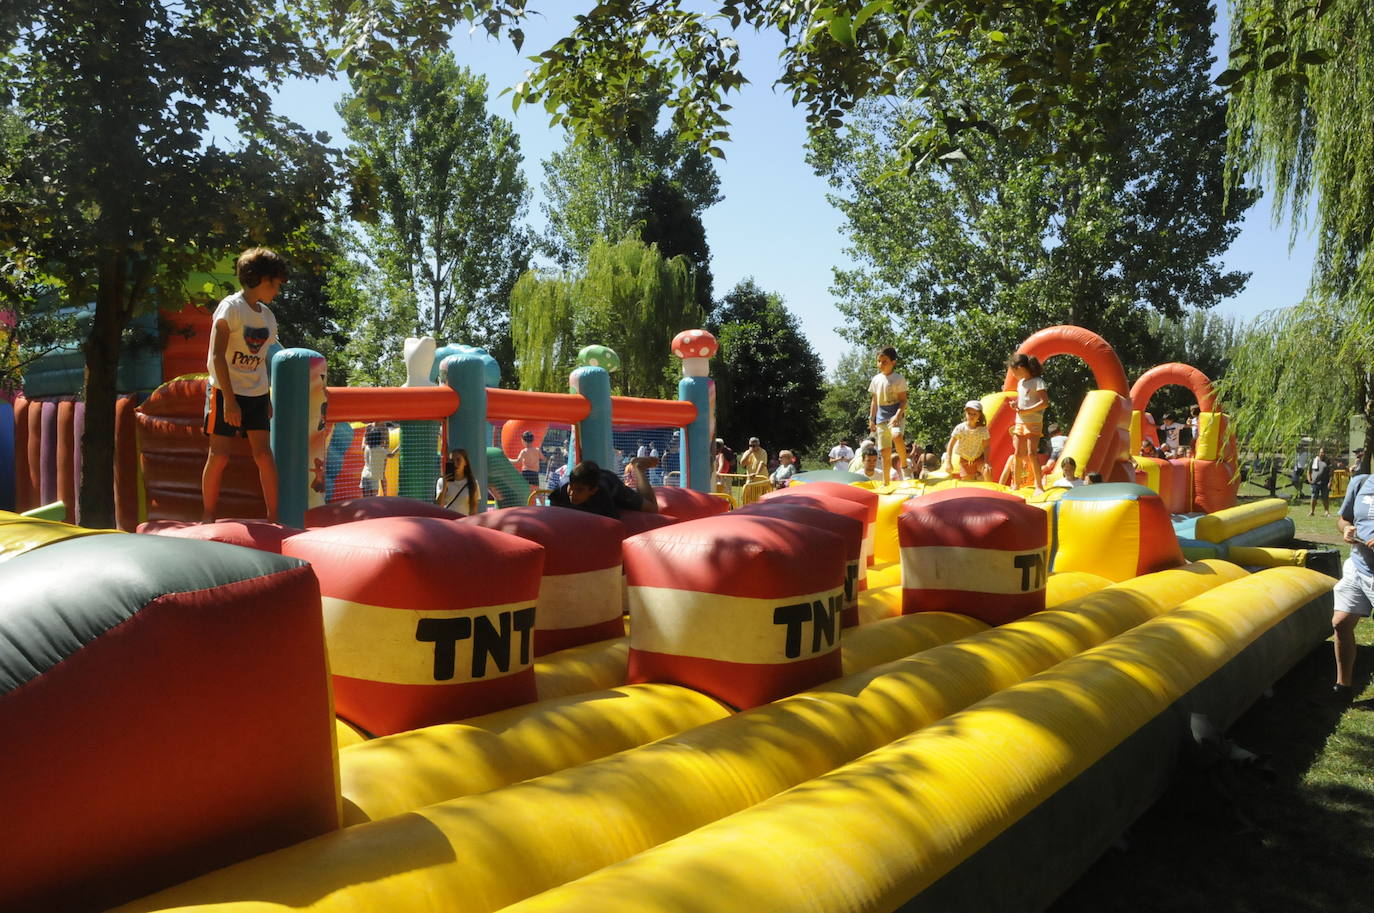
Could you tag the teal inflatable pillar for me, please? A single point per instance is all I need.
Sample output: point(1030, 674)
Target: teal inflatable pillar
point(419, 465)
point(290, 434)
point(592, 436)
point(7, 461)
point(695, 348)
point(465, 374)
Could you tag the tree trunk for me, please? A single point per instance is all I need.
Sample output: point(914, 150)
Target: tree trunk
point(101, 349)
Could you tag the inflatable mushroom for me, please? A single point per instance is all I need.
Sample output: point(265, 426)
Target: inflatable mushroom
point(695, 348)
point(599, 357)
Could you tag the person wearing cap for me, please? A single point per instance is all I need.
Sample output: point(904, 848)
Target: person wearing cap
point(966, 454)
point(754, 461)
point(527, 462)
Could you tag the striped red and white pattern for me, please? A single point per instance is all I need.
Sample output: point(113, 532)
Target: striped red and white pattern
point(580, 595)
point(426, 620)
point(744, 607)
point(975, 552)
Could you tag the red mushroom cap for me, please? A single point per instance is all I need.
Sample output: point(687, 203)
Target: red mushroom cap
point(695, 344)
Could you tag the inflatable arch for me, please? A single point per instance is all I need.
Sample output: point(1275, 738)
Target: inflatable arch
point(1209, 479)
point(1100, 437)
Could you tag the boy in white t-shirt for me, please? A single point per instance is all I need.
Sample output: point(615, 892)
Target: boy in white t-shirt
point(237, 398)
point(886, 408)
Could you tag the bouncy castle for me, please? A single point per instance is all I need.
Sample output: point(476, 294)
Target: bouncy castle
point(844, 697)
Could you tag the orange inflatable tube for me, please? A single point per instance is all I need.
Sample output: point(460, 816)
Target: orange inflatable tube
point(1095, 351)
point(1176, 374)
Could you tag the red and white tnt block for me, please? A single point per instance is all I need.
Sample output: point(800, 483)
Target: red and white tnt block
point(972, 551)
point(426, 620)
point(745, 608)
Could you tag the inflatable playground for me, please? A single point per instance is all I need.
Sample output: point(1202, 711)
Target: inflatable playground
point(844, 697)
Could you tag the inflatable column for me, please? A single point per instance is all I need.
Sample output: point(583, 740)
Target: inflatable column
point(298, 422)
point(466, 374)
point(419, 464)
point(695, 348)
point(592, 436)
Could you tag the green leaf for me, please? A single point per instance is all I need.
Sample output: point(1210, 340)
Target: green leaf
point(869, 10)
point(997, 37)
point(842, 29)
point(1315, 57)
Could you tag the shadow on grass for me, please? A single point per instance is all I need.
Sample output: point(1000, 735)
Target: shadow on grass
point(1292, 833)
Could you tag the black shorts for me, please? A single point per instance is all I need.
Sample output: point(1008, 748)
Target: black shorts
point(256, 410)
point(529, 475)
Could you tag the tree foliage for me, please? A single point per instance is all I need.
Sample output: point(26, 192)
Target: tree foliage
point(769, 380)
point(117, 191)
point(1299, 371)
point(667, 217)
point(1302, 80)
point(451, 198)
point(834, 55)
point(595, 188)
point(844, 407)
point(629, 297)
point(963, 258)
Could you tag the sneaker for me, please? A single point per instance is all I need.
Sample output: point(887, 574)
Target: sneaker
point(1339, 696)
point(1366, 704)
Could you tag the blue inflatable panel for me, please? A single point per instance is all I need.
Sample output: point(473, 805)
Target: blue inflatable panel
point(1276, 532)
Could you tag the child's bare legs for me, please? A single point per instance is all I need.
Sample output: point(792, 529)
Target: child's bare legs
point(1008, 468)
point(1033, 458)
point(212, 475)
point(900, 446)
point(261, 446)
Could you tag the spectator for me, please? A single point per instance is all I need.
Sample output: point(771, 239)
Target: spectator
point(841, 454)
point(1057, 441)
point(1093, 478)
point(1319, 477)
point(458, 489)
point(869, 467)
point(786, 469)
point(754, 461)
point(1069, 467)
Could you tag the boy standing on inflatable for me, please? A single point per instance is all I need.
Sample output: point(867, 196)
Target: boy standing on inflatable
point(237, 400)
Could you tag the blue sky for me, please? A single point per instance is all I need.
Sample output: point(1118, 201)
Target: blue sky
point(774, 223)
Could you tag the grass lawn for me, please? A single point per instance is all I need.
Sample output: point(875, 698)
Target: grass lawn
point(1292, 833)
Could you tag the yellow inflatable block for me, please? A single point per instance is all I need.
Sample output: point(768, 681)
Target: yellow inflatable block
point(884, 575)
point(877, 832)
point(1259, 556)
point(1209, 435)
point(346, 735)
point(876, 605)
point(886, 639)
point(885, 547)
point(481, 853)
point(20, 534)
point(1070, 585)
point(1222, 525)
point(392, 775)
point(577, 670)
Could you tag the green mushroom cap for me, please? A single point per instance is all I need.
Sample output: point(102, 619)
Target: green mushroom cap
point(599, 357)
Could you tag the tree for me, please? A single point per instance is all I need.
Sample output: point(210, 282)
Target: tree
point(117, 191)
point(666, 217)
point(1202, 339)
point(769, 380)
point(1301, 74)
point(1303, 370)
point(834, 56)
point(963, 258)
point(628, 297)
point(594, 188)
point(844, 408)
point(451, 197)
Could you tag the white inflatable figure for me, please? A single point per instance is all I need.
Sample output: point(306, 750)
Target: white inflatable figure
point(419, 358)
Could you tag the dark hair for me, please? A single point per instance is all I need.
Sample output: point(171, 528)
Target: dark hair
point(451, 470)
point(1094, 478)
point(585, 473)
point(1069, 461)
point(1029, 362)
point(889, 351)
point(527, 436)
point(258, 263)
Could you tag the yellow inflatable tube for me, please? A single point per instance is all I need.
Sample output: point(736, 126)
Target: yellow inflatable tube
point(1264, 556)
point(1222, 525)
point(875, 833)
point(577, 670)
point(483, 852)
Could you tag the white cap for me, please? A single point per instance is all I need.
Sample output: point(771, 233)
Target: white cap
point(974, 404)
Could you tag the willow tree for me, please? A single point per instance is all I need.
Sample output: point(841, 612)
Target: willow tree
point(635, 300)
point(629, 297)
point(1301, 74)
point(1298, 372)
point(541, 326)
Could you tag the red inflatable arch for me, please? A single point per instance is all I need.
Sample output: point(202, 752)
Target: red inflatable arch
point(1100, 357)
point(1181, 375)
